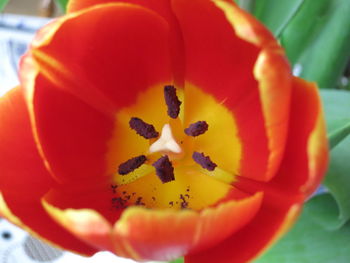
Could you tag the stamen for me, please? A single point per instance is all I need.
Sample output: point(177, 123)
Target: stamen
point(142, 128)
point(172, 101)
point(164, 169)
point(203, 161)
point(131, 165)
point(197, 128)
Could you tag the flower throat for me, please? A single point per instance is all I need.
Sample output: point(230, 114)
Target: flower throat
point(166, 144)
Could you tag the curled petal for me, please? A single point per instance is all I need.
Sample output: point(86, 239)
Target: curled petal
point(242, 58)
point(246, 26)
point(317, 146)
point(86, 224)
point(6, 212)
point(19, 147)
point(24, 178)
point(150, 237)
point(300, 169)
point(273, 73)
point(96, 196)
point(306, 155)
point(31, 216)
point(144, 234)
point(76, 5)
point(269, 224)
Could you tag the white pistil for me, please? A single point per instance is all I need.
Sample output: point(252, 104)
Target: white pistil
point(166, 143)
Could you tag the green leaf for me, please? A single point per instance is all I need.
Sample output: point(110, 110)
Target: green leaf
point(308, 242)
point(62, 4)
point(276, 14)
point(247, 5)
point(3, 3)
point(323, 209)
point(338, 178)
point(179, 260)
point(337, 112)
point(318, 39)
point(339, 134)
point(336, 106)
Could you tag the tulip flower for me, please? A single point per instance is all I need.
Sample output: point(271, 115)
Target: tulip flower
point(159, 129)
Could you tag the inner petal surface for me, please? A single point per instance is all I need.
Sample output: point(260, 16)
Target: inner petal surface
point(193, 187)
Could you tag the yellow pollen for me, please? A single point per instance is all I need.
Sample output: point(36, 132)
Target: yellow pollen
point(166, 143)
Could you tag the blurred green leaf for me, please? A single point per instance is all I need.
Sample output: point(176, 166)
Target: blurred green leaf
point(339, 134)
point(179, 260)
point(336, 105)
point(3, 3)
point(323, 209)
point(247, 5)
point(276, 14)
point(338, 179)
point(62, 4)
point(318, 40)
point(308, 242)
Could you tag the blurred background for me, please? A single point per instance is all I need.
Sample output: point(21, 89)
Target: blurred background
point(45, 8)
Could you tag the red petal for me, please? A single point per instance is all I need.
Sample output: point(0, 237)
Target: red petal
point(80, 87)
point(269, 223)
point(108, 68)
point(224, 63)
point(168, 234)
point(77, 5)
point(306, 157)
point(21, 165)
point(272, 72)
point(163, 8)
point(38, 222)
point(86, 224)
point(144, 234)
point(303, 166)
point(97, 197)
point(159, 6)
point(317, 145)
point(24, 178)
point(72, 134)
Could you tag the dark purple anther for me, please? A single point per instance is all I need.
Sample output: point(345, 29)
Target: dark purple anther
point(164, 169)
point(197, 128)
point(203, 161)
point(131, 165)
point(142, 128)
point(172, 101)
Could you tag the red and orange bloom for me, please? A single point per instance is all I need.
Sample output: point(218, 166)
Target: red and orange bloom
point(156, 129)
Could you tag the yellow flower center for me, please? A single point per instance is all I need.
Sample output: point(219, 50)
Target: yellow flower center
point(173, 152)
